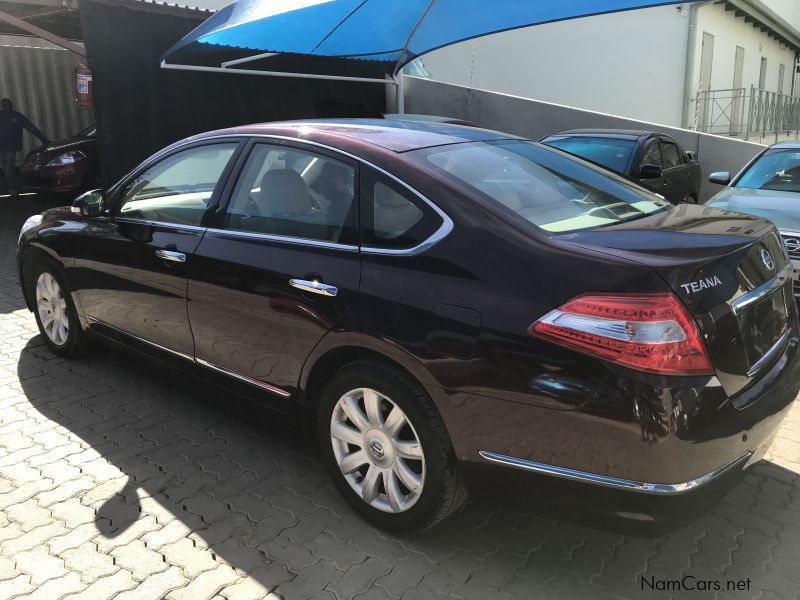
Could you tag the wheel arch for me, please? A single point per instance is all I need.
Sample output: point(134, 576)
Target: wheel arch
point(32, 255)
point(339, 350)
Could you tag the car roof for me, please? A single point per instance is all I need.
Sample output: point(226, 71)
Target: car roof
point(786, 146)
point(616, 133)
point(397, 136)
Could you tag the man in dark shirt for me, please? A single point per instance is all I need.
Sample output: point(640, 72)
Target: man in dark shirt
point(11, 125)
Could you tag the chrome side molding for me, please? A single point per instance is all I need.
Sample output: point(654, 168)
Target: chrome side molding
point(762, 291)
point(663, 489)
point(256, 382)
point(138, 338)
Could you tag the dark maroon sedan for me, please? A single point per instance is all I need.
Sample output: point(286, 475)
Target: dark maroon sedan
point(71, 165)
point(428, 295)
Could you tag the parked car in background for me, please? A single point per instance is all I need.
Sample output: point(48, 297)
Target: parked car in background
point(656, 160)
point(768, 187)
point(71, 165)
point(428, 295)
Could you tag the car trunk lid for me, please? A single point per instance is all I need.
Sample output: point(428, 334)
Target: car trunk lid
point(730, 270)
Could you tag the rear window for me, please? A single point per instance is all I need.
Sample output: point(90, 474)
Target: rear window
point(777, 170)
point(550, 190)
point(614, 154)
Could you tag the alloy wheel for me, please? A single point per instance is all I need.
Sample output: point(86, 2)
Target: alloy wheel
point(52, 307)
point(377, 450)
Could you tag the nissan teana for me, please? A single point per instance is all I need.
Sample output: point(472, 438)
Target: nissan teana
point(428, 295)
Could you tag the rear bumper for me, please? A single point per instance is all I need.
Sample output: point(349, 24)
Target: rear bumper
point(657, 436)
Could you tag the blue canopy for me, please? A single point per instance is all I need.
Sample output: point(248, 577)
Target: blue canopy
point(387, 33)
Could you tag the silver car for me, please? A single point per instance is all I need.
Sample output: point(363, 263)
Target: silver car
point(769, 187)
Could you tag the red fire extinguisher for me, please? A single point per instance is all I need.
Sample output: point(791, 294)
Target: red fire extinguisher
point(83, 85)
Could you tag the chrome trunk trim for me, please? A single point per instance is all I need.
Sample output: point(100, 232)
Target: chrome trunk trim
point(769, 354)
point(762, 291)
point(663, 489)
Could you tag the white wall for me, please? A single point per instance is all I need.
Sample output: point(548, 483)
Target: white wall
point(729, 32)
point(629, 63)
point(788, 10)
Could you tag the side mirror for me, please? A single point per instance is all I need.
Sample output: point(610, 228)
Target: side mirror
point(720, 178)
point(650, 172)
point(90, 204)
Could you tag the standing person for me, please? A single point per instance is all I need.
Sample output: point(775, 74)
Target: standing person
point(11, 125)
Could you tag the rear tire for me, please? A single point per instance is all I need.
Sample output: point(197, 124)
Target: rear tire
point(386, 448)
point(55, 311)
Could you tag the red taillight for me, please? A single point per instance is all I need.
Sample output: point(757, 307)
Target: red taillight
point(647, 332)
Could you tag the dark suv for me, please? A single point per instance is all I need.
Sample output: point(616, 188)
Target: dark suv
point(426, 295)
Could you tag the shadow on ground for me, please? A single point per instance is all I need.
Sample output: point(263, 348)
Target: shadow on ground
point(254, 492)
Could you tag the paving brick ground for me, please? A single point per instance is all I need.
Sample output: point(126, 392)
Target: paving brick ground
point(116, 481)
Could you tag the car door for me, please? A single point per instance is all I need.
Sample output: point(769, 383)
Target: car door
point(131, 265)
point(651, 156)
point(279, 269)
point(676, 171)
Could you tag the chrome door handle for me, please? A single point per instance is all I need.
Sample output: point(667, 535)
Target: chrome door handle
point(315, 287)
point(171, 255)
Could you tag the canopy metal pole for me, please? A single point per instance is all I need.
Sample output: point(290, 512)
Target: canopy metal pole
point(399, 83)
point(239, 61)
point(177, 67)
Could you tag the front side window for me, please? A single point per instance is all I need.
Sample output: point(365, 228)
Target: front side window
point(177, 189)
point(392, 217)
point(290, 192)
point(612, 153)
point(671, 155)
point(552, 191)
point(652, 156)
point(777, 170)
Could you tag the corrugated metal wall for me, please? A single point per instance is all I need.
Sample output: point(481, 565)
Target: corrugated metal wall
point(41, 82)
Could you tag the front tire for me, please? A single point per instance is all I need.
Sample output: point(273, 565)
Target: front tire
point(386, 448)
point(55, 311)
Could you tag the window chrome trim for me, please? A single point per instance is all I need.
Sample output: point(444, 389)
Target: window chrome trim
point(256, 382)
point(663, 489)
point(138, 338)
point(158, 223)
point(769, 354)
point(762, 291)
point(284, 239)
point(437, 236)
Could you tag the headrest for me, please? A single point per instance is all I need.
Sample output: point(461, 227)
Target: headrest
point(283, 192)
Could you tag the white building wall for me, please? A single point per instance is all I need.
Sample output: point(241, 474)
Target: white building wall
point(730, 31)
point(788, 10)
point(630, 64)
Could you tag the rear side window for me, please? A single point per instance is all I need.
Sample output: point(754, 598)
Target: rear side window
point(671, 154)
point(289, 192)
point(393, 217)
